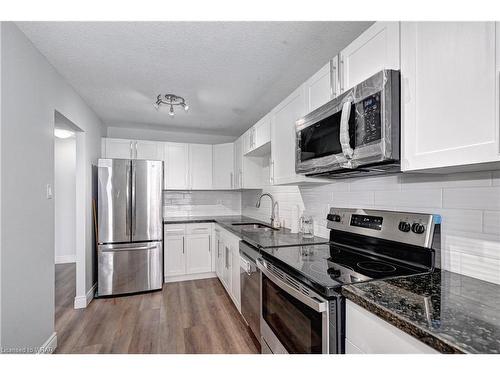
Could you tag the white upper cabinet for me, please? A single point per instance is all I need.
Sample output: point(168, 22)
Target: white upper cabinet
point(200, 166)
point(284, 117)
point(246, 141)
point(256, 140)
point(374, 50)
point(176, 166)
point(113, 148)
point(262, 132)
point(449, 94)
point(322, 86)
point(223, 166)
point(131, 149)
point(238, 163)
point(148, 150)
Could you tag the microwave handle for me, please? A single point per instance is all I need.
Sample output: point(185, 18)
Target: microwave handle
point(344, 131)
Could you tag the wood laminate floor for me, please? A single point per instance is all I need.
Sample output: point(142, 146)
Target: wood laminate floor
point(185, 317)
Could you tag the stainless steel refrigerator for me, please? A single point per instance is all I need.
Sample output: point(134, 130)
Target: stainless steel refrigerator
point(130, 247)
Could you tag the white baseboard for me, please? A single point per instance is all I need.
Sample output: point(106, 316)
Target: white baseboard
point(82, 302)
point(198, 276)
point(49, 345)
point(61, 259)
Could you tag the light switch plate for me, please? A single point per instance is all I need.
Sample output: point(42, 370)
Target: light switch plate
point(49, 191)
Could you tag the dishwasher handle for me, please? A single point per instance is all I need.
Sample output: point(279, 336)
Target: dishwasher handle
point(247, 265)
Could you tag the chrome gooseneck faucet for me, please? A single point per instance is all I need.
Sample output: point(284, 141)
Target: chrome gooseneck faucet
point(274, 207)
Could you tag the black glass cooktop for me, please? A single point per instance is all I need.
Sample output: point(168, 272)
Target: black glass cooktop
point(326, 267)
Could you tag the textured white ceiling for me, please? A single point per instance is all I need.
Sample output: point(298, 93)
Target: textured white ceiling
point(231, 73)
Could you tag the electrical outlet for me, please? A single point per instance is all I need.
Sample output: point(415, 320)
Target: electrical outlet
point(49, 191)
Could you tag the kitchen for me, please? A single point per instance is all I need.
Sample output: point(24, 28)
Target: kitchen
point(353, 208)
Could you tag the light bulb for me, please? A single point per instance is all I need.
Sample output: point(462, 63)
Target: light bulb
point(186, 107)
point(171, 112)
point(63, 133)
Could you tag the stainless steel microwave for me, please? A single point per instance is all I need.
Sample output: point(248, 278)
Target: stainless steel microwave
point(357, 133)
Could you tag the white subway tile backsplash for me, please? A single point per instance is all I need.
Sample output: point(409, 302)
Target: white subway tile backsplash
point(477, 244)
point(432, 181)
point(375, 183)
point(421, 198)
point(496, 178)
point(481, 198)
point(201, 203)
point(469, 204)
point(357, 199)
point(461, 220)
point(480, 267)
point(491, 222)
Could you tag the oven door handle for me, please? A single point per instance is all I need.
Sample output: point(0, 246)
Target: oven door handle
point(345, 139)
point(314, 303)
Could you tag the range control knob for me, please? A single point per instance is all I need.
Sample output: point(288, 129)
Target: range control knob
point(404, 226)
point(333, 217)
point(418, 228)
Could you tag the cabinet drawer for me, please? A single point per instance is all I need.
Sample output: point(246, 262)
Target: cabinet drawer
point(199, 228)
point(174, 229)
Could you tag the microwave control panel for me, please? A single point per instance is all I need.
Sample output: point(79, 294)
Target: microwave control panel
point(368, 120)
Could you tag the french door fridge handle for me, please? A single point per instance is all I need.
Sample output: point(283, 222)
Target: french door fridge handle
point(134, 177)
point(127, 206)
point(344, 131)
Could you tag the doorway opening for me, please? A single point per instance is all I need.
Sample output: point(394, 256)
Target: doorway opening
point(67, 174)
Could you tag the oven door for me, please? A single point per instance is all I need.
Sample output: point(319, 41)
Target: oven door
point(294, 319)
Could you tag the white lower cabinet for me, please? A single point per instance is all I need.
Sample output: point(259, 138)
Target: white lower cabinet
point(228, 263)
point(188, 251)
point(198, 253)
point(175, 261)
point(369, 334)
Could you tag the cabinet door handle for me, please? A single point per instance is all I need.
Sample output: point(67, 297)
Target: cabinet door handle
point(342, 76)
point(209, 243)
point(333, 80)
point(231, 179)
point(183, 246)
point(272, 172)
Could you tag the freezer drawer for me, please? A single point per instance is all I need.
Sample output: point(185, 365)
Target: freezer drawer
point(129, 268)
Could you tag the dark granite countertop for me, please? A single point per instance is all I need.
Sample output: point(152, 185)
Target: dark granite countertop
point(264, 239)
point(452, 313)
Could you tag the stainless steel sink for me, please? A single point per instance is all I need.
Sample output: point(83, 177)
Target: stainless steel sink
point(255, 227)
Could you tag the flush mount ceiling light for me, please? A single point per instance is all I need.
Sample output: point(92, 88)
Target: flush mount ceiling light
point(63, 133)
point(170, 100)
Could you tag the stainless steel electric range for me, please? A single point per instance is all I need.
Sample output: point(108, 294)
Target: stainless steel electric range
point(302, 308)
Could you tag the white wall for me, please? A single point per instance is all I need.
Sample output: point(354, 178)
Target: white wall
point(31, 91)
point(65, 199)
point(166, 135)
point(469, 204)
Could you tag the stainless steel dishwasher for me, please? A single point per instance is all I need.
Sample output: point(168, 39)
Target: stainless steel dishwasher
point(250, 287)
